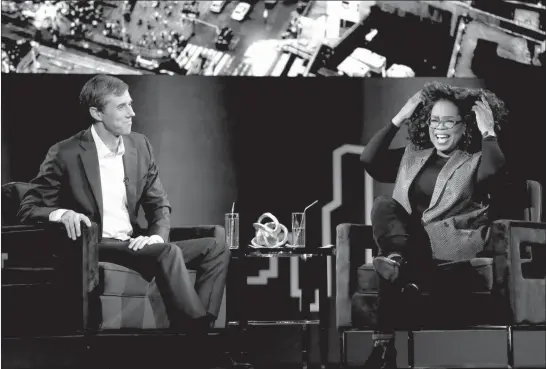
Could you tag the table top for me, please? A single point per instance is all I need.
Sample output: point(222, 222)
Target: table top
point(304, 252)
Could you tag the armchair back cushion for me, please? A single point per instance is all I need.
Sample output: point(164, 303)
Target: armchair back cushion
point(12, 194)
point(533, 211)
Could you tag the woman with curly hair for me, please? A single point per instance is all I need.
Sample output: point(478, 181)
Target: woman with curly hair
point(438, 212)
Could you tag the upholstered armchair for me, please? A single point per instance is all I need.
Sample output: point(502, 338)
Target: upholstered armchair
point(53, 285)
point(509, 284)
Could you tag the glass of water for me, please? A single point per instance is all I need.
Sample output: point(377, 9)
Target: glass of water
point(232, 230)
point(298, 229)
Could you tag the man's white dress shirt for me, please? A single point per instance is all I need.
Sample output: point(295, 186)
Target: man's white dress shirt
point(115, 215)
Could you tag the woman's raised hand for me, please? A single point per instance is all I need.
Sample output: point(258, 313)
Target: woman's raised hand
point(484, 116)
point(408, 109)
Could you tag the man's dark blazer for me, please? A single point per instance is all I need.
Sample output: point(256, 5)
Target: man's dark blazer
point(69, 178)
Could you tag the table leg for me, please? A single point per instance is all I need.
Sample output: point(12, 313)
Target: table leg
point(324, 312)
point(243, 319)
point(241, 340)
point(305, 302)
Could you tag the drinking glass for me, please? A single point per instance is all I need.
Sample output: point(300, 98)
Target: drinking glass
point(298, 229)
point(232, 230)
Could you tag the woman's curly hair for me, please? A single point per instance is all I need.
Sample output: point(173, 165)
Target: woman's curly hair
point(464, 98)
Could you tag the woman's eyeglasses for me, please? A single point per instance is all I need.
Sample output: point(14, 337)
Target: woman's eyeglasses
point(446, 122)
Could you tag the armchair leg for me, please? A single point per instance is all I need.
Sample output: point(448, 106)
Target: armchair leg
point(342, 351)
point(411, 350)
point(89, 357)
point(510, 346)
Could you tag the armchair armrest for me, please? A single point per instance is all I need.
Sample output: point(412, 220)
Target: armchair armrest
point(351, 244)
point(519, 257)
point(72, 266)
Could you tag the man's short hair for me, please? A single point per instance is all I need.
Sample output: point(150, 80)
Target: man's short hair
point(95, 91)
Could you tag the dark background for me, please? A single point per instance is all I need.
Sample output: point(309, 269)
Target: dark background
point(262, 142)
point(523, 89)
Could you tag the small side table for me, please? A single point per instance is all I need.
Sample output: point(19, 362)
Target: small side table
point(238, 262)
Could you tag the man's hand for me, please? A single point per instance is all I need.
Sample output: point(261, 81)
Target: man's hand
point(72, 222)
point(141, 241)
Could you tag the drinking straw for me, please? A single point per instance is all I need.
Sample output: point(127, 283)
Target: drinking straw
point(303, 217)
point(231, 225)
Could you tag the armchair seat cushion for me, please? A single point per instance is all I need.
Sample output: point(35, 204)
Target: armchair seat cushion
point(475, 274)
point(129, 301)
point(473, 279)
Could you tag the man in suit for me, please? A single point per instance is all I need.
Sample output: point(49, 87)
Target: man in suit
point(104, 174)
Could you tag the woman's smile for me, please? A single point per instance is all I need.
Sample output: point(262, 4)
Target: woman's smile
point(442, 138)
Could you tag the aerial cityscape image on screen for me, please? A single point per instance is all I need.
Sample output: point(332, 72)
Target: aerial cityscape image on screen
point(271, 38)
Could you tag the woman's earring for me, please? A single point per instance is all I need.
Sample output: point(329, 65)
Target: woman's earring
point(467, 139)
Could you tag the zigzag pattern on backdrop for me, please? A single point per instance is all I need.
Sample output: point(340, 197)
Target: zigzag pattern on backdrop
point(337, 199)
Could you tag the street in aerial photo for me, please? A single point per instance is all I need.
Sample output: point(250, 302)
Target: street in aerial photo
point(270, 37)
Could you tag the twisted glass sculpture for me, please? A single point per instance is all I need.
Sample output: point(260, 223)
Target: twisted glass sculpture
point(269, 234)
